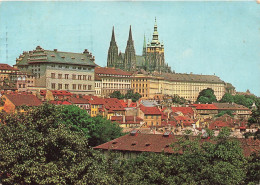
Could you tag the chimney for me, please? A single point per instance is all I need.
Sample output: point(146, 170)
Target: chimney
point(123, 118)
point(86, 51)
point(134, 119)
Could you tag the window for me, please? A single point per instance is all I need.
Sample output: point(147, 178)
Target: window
point(60, 66)
point(73, 77)
point(79, 86)
point(23, 85)
point(52, 65)
point(79, 77)
point(84, 87)
point(53, 85)
point(59, 76)
point(74, 86)
point(74, 67)
point(66, 86)
point(67, 67)
point(66, 76)
point(89, 87)
point(52, 75)
point(79, 68)
point(89, 77)
point(84, 77)
point(20, 85)
point(59, 86)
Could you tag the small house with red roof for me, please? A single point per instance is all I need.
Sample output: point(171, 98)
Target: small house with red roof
point(186, 111)
point(128, 121)
point(13, 102)
point(152, 116)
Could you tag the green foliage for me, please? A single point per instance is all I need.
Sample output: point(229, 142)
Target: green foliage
point(227, 98)
point(129, 95)
point(242, 100)
point(37, 148)
point(229, 112)
point(97, 129)
point(255, 117)
point(177, 99)
point(117, 94)
point(200, 163)
point(206, 96)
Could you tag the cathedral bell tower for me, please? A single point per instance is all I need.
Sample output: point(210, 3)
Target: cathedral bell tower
point(130, 58)
point(112, 56)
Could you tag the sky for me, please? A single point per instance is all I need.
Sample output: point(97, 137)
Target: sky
point(221, 38)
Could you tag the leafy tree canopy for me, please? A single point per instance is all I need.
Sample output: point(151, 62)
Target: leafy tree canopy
point(37, 148)
point(177, 99)
point(227, 98)
point(206, 96)
point(129, 95)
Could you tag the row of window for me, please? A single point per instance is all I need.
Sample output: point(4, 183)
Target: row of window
point(69, 67)
point(74, 77)
point(74, 86)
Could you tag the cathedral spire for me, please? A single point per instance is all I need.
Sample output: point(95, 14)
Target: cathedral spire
point(113, 35)
point(130, 35)
point(112, 51)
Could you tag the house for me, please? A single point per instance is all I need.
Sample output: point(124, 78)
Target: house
point(130, 145)
point(205, 110)
point(152, 116)
point(81, 103)
point(13, 102)
point(186, 111)
point(128, 121)
point(56, 70)
point(240, 111)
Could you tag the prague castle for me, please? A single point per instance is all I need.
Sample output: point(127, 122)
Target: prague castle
point(152, 58)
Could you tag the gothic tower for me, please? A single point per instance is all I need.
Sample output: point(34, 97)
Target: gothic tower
point(130, 58)
point(112, 57)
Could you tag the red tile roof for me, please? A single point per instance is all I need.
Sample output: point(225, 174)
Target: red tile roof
point(113, 104)
point(94, 100)
point(205, 106)
point(60, 102)
point(184, 110)
point(158, 143)
point(187, 121)
point(150, 110)
point(111, 71)
point(24, 99)
point(125, 104)
point(7, 67)
point(75, 100)
point(128, 119)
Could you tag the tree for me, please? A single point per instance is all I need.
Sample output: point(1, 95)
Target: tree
point(37, 148)
point(97, 129)
point(131, 95)
point(117, 94)
point(255, 117)
point(206, 96)
point(242, 100)
point(229, 112)
point(227, 98)
point(177, 99)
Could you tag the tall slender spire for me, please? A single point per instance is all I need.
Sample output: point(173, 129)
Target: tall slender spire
point(113, 35)
point(130, 34)
point(112, 51)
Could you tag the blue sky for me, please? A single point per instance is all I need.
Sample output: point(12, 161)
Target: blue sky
point(199, 37)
